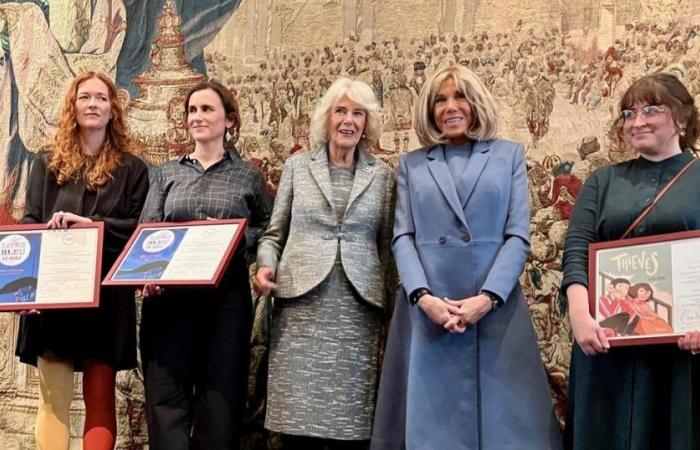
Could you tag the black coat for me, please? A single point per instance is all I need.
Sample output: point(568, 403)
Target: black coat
point(106, 333)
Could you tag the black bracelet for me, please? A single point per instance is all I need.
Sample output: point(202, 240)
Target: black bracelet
point(496, 301)
point(417, 294)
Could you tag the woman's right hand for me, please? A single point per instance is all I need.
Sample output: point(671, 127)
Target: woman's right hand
point(61, 220)
point(263, 281)
point(439, 311)
point(588, 333)
point(151, 290)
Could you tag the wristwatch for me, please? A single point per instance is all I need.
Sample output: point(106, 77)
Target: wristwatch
point(496, 301)
point(417, 294)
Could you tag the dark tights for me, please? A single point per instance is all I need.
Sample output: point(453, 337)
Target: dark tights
point(291, 442)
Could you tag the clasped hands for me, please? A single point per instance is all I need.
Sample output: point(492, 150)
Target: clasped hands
point(455, 315)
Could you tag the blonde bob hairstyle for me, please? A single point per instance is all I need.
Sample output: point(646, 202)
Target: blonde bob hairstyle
point(483, 107)
point(358, 92)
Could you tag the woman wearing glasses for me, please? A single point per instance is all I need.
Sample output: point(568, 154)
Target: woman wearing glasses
point(641, 396)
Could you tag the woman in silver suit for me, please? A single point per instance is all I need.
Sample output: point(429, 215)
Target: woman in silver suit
point(326, 257)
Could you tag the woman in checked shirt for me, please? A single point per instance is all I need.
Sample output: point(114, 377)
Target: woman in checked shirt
point(194, 342)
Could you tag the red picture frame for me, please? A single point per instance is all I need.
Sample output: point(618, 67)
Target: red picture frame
point(51, 245)
point(658, 288)
point(148, 256)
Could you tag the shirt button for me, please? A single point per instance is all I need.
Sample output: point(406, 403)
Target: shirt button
point(640, 229)
point(466, 238)
point(653, 180)
point(442, 240)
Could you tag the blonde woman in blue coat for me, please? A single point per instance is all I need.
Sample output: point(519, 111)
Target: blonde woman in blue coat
point(462, 369)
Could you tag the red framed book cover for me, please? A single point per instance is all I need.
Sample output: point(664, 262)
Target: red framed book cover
point(50, 269)
point(192, 253)
point(646, 290)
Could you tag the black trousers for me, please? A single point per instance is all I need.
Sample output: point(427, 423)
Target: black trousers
point(195, 355)
point(291, 442)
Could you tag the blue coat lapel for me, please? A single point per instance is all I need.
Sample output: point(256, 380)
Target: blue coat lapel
point(441, 173)
point(477, 161)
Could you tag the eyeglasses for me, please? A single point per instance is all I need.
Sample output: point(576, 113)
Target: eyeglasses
point(649, 111)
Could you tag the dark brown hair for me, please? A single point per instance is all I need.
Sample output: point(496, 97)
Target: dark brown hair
point(665, 89)
point(227, 99)
point(634, 290)
point(617, 281)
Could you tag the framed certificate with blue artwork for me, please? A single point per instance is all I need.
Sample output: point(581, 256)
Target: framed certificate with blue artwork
point(42, 269)
point(185, 253)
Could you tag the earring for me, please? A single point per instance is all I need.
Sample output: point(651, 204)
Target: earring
point(682, 132)
point(228, 135)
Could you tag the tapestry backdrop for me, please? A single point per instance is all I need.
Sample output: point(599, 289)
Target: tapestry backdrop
point(556, 68)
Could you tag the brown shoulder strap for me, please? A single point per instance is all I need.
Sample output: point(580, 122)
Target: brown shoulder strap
point(661, 193)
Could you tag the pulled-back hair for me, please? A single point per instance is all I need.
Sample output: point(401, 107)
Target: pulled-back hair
point(231, 109)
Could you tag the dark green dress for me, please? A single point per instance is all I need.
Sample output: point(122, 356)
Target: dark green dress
point(645, 397)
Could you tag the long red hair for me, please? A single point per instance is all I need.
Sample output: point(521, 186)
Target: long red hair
point(67, 161)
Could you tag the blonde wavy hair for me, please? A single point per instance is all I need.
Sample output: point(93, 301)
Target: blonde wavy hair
point(360, 93)
point(483, 107)
point(66, 159)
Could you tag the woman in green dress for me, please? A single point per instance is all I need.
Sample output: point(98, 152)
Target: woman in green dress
point(638, 397)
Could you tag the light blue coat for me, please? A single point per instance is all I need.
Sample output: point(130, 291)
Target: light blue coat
point(486, 388)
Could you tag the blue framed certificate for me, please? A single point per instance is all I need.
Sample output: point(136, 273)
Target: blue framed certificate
point(42, 269)
point(186, 253)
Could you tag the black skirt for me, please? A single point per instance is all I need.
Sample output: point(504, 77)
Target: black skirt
point(106, 333)
point(645, 397)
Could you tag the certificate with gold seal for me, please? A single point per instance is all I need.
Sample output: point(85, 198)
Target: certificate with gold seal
point(42, 268)
point(646, 290)
point(185, 253)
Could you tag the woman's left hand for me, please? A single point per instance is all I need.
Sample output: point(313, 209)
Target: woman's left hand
point(690, 342)
point(62, 219)
point(471, 310)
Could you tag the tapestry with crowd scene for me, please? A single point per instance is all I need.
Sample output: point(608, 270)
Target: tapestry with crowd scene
point(556, 69)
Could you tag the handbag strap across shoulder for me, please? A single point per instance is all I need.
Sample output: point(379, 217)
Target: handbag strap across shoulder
point(661, 193)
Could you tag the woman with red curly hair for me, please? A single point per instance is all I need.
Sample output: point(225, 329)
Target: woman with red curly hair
point(85, 174)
